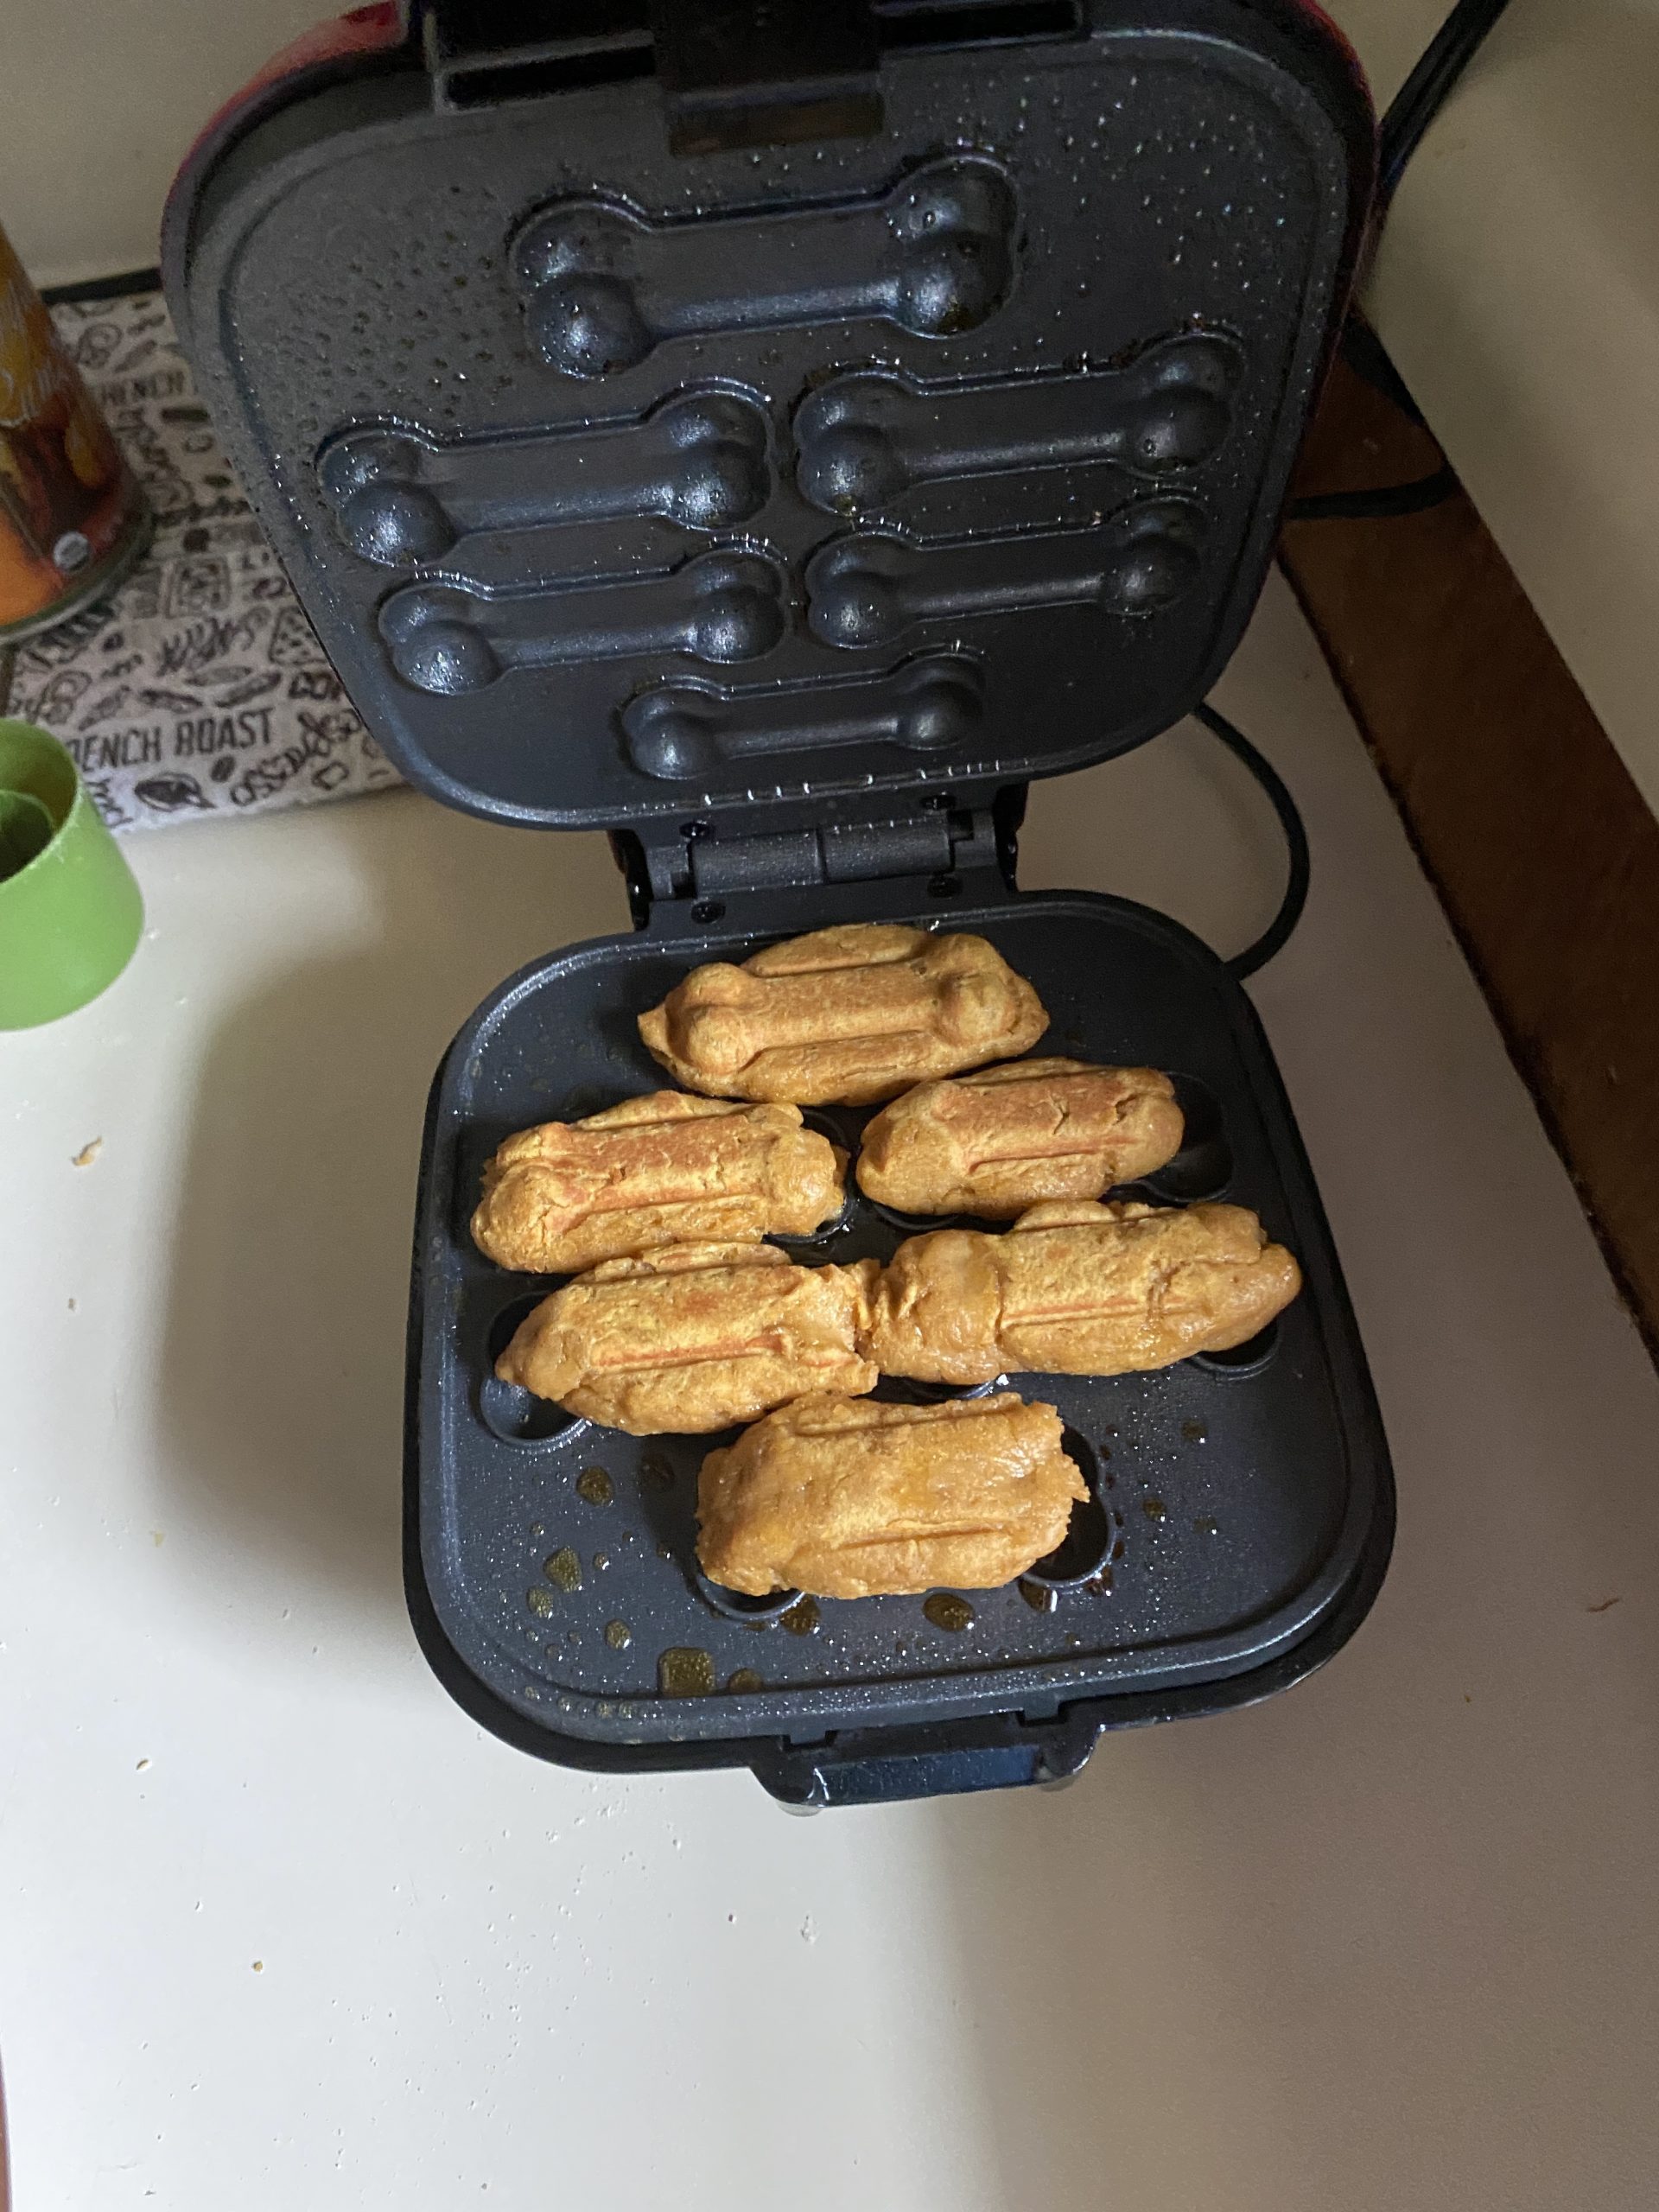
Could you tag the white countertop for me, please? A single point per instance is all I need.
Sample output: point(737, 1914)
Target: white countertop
point(1390, 1940)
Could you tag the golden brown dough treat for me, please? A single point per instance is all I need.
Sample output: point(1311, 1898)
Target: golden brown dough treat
point(665, 1169)
point(1078, 1289)
point(845, 1016)
point(696, 1337)
point(1009, 1138)
point(846, 1498)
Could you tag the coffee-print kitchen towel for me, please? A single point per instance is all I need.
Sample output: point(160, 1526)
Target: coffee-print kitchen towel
point(198, 688)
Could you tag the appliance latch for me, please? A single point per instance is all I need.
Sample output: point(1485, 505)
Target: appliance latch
point(765, 73)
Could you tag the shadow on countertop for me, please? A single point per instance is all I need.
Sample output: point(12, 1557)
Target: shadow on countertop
point(282, 1384)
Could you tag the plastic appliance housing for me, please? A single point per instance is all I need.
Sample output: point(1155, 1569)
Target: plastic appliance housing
point(776, 450)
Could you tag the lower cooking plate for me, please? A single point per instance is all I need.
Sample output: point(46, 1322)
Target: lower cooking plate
point(1238, 1498)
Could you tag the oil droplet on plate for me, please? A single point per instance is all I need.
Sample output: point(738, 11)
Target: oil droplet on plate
point(601, 1561)
point(1039, 1597)
point(1153, 1508)
point(803, 1617)
point(744, 1679)
point(1203, 1527)
point(946, 1610)
point(594, 1484)
point(1194, 1432)
point(563, 1568)
point(685, 1671)
point(618, 1635)
point(540, 1601)
point(656, 1471)
point(1099, 1586)
point(537, 1529)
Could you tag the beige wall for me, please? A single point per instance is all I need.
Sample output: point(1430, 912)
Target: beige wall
point(99, 101)
point(1517, 287)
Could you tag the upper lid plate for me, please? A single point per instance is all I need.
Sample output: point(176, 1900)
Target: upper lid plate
point(623, 484)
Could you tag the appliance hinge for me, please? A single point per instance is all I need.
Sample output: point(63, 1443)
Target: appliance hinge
point(479, 52)
point(951, 849)
point(732, 73)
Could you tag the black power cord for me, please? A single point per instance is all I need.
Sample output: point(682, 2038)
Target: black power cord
point(1421, 99)
point(1413, 109)
point(1274, 937)
point(1415, 497)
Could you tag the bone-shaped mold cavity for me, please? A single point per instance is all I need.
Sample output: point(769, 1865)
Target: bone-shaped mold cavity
point(864, 439)
point(511, 1415)
point(717, 607)
point(1086, 1547)
point(402, 497)
point(869, 588)
point(688, 730)
point(603, 285)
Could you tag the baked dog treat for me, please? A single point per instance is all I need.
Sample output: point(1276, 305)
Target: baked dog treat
point(845, 1016)
point(846, 1498)
point(665, 1169)
point(1009, 1138)
point(1078, 1289)
point(696, 1337)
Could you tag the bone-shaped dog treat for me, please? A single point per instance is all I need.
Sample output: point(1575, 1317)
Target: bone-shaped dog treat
point(869, 588)
point(604, 284)
point(402, 497)
point(997, 1142)
point(688, 731)
point(850, 1015)
point(1078, 1289)
point(719, 607)
point(695, 1337)
point(665, 1169)
point(844, 1497)
point(865, 439)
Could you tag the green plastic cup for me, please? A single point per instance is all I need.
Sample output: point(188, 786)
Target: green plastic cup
point(70, 911)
